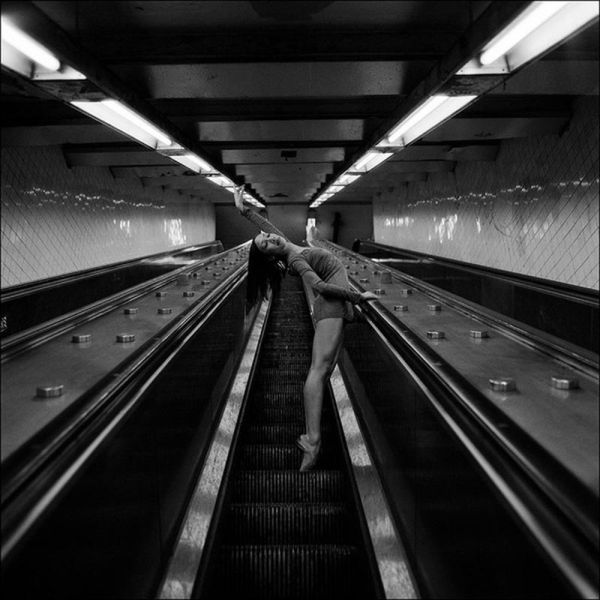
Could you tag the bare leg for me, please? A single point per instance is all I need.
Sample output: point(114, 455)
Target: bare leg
point(326, 346)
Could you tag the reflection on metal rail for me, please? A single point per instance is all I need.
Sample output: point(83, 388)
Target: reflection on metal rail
point(391, 557)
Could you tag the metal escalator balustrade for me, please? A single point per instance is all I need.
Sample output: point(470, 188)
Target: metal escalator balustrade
point(487, 506)
point(94, 507)
point(283, 533)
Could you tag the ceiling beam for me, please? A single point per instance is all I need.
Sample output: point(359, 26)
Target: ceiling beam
point(281, 45)
point(489, 23)
point(100, 81)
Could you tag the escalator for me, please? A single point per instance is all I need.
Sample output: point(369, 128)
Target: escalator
point(279, 532)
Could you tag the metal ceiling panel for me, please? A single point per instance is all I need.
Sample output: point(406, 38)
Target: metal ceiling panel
point(339, 129)
point(275, 80)
point(476, 129)
point(55, 135)
point(148, 172)
point(429, 166)
point(262, 172)
point(285, 156)
point(179, 16)
point(577, 78)
point(109, 159)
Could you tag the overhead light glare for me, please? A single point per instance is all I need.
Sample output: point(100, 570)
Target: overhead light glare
point(140, 122)
point(347, 179)
point(415, 116)
point(537, 14)
point(28, 46)
point(413, 128)
point(556, 22)
point(370, 160)
point(137, 128)
point(194, 159)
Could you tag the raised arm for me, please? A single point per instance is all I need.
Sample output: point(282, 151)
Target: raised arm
point(262, 223)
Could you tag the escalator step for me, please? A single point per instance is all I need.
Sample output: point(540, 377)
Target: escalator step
point(314, 523)
point(288, 486)
point(278, 433)
point(277, 457)
point(275, 400)
point(286, 414)
point(298, 571)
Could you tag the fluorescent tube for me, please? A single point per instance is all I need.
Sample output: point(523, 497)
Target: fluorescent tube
point(370, 160)
point(192, 161)
point(28, 46)
point(444, 111)
point(140, 122)
point(521, 27)
point(104, 111)
point(347, 179)
point(421, 112)
point(568, 19)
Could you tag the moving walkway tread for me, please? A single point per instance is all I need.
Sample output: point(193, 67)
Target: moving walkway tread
point(283, 533)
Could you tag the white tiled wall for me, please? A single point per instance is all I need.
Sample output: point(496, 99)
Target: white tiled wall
point(532, 211)
point(57, 220)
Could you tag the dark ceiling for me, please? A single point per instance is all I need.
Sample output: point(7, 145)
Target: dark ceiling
point(284, 96)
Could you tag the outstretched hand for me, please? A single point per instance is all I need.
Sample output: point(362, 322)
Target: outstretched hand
point(238, 197)
point(365, 296)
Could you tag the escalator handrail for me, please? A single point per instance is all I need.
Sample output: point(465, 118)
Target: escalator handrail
point(565, 291)
point(24, 341)
point(574, 356)
point(505, 454)
point(36, 474)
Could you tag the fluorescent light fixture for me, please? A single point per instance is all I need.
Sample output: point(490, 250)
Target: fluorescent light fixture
point(28, 46)
point(415, 116)
point(140, 122)
point(530, 19)
point(430, 114)
point(221, 180)
point(193, 162)
point(370, 160)
point(347, 179)
point(552, 22)
point(119, 117)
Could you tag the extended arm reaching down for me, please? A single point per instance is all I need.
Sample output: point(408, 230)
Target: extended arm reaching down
point(299, 265)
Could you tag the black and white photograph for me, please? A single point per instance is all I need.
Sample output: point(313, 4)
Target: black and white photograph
point(299, 299)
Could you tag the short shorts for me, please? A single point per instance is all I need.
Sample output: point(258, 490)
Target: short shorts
point(330, 308)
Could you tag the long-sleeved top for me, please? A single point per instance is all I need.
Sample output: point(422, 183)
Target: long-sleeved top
point(319, 268)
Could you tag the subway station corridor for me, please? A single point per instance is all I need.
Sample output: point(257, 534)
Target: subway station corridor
point(299, 299)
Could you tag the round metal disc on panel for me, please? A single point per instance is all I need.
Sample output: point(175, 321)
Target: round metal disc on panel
point(123, 338)
point(565, 383)
point(81, 338)
point(478, 333)
point(436, 335)
point(503, 384)
point(49, 391)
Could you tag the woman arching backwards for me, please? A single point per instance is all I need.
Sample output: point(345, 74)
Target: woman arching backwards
point(270, 254)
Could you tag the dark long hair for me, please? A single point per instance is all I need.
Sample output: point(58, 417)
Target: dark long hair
point(264, 271)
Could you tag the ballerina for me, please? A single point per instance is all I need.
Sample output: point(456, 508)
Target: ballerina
point(271, 254)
